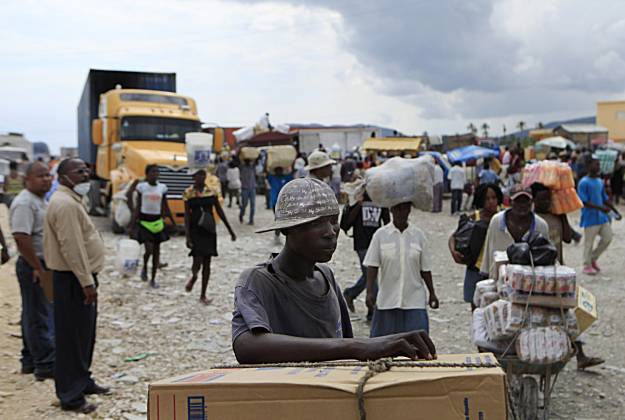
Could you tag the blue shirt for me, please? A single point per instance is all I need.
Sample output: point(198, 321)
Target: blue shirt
point(277, 182)
point(591, 190)
point(488, 176)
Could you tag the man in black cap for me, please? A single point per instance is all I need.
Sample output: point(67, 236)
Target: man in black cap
point(290, 308)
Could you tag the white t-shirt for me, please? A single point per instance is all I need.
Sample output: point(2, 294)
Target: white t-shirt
point(439, 175)
point(234, 178)
point(457, 177)
point(151, 197)
point(400, 258)
point(507, 157)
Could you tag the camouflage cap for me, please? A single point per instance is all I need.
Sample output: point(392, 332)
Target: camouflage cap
point(301, 201)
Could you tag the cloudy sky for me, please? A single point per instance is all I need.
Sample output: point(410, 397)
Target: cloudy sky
point(414, 65)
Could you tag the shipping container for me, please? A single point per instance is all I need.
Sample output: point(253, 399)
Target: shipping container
point(101, 81)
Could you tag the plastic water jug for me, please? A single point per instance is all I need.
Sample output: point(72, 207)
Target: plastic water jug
point(128, 255)
point(199, 146)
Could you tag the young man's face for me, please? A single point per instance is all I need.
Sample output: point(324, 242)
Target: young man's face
point(594, 167)
point(522, 205)
point(400, 213)
point(542, 202)
point(39, 181)
point(323, 173)
point(315, 240)
point(152, 175)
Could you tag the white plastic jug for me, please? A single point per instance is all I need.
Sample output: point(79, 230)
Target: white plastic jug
point(199, 146)
point(128, 255)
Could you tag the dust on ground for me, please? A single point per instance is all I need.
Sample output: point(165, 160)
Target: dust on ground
point(180, 335)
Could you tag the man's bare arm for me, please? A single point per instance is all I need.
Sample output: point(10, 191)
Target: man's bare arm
point(264, 347)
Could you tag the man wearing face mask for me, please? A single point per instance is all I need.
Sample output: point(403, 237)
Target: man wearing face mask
point(320, 166)
point(74, 250)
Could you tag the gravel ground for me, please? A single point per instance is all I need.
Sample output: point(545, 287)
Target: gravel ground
point(179, 334)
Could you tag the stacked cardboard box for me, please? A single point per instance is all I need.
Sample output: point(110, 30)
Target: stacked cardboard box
point(263, 393)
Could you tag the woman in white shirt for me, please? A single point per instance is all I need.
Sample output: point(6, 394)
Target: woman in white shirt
point(399, 259)
point(148, 224)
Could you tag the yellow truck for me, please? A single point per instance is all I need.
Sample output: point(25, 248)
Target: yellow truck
point(127, 120)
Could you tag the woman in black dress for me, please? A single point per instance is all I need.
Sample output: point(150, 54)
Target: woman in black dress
point(199, 203)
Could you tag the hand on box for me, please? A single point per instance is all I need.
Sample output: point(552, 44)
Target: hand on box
point(413, 344)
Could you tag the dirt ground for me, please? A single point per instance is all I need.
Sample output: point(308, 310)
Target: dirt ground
point(178, 334)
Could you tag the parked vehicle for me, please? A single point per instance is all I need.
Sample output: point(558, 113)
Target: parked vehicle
point(127, 120)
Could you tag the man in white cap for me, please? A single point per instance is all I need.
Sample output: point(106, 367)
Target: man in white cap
point(290, 308)
point(320, 166)
point(510, 226)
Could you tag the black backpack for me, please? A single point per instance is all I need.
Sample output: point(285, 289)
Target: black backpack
point(469, 238)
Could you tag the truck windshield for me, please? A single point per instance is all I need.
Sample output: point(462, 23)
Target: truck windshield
point(157, 128)
point(152, 97)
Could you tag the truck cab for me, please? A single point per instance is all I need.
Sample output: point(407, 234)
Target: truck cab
point(137, 127)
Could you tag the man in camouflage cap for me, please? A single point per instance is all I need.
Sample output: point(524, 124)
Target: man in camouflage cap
point(290, 308)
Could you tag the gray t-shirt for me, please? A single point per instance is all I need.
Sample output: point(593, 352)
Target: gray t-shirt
point(248, 176)
point(26, 216)
point(267, 299)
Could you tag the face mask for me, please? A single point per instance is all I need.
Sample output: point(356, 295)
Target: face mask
point(81, 189)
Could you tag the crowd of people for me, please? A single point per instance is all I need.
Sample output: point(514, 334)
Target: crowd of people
point(290, 307)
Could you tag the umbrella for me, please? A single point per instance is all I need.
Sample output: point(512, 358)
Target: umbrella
point(556, 143)
point(468, 153)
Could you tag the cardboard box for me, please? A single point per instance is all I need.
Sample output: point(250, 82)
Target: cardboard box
point(586, 309)
point(326, 393)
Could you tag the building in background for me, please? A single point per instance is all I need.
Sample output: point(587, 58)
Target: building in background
point(346, 137)
point(17, 141)
point(69, 152)
point(611, 115)
point(583, 134)
point(41, 150)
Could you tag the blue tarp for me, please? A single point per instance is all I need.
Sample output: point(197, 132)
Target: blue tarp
point(468, 153)
point(439, 159)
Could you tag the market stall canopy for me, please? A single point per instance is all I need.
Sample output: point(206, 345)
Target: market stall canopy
point(556, 142)
point(468, 153)
point(396, 144)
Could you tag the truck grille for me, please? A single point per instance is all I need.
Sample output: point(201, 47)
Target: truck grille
point(176, 181)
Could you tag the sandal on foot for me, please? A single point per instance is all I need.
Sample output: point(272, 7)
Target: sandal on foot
point(206, 301)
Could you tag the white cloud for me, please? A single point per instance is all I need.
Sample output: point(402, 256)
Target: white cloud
point(414, 65)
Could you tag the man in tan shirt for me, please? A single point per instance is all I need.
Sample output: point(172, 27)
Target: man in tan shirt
point(74, 250)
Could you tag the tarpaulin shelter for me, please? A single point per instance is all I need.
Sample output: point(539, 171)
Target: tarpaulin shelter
point(469, 153)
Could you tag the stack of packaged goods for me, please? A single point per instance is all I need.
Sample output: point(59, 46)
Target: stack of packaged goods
point(527, 311)
point(558, 177)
